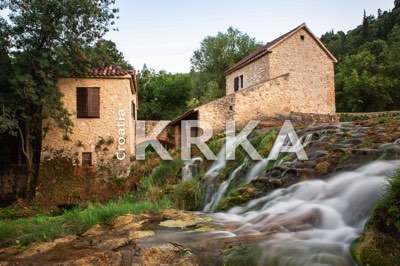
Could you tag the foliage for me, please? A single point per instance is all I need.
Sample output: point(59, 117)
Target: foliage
point(45, 40)
point(77, 221)
point(216, 55)
point(163, 95)
point(187, 195)
point(367, 73)
point(167, 172)
point(380, 243)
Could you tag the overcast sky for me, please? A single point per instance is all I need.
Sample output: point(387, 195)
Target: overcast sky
point(164, 34)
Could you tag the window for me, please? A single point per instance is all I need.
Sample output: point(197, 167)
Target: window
point(88, 102)
point(302, 37)
point(133, 106)
point(86, 159)
point(238, 83)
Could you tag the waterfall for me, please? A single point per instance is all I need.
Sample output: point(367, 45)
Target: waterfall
point(189, 169)
point(219, 164)
point(312, 222)
point(266, 163)
point(217, 196)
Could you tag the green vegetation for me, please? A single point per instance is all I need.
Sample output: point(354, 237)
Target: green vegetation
point(187, 195)
point(242, 255)
point(24, 231)
point(216, 55)
point(380, 243)
point(163, 96)
point(40, 42)
point(367, 73)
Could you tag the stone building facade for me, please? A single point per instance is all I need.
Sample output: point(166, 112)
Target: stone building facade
point(291, 76)
point(103, 105)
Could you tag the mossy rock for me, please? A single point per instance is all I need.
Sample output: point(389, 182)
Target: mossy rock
point(243, 254)
point(379, 249)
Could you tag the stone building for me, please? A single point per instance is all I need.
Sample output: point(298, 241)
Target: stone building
point(103, 105)
point(291, 77)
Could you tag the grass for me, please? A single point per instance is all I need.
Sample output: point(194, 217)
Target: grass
point(39, 228)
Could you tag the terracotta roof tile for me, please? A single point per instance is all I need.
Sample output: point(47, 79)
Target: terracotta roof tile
point(109, 71)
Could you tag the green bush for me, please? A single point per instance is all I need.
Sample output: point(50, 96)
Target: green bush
point(168, 172)
point(187, 195)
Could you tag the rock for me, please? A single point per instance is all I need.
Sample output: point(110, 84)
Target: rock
point(140, 234)
point(126, 222)
point(108, 258)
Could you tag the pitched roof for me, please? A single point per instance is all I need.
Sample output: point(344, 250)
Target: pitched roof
point(256, 54)
point(109, 71)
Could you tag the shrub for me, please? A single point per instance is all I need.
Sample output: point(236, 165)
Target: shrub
point(167, 172)
point(187, 195)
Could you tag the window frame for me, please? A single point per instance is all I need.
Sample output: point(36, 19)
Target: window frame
point(88, 102)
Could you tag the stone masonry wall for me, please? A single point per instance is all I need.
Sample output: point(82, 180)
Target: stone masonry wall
point(253, 74)
point(267, 101)
point(99, 136)
point(311, 73)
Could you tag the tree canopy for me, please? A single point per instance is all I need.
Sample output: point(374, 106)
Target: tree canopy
point(367, 73)
point(43, 41)
point(162, 96)
point(216, 55)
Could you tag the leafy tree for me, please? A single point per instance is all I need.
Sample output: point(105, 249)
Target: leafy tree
point(47, 40)
point(105, 53)
point(216, 55)
point(369, 55)
point(163, 95)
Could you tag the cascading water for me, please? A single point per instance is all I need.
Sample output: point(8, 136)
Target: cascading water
point(214, 170)
point(266, 163)
point(312, 222)
point(190, 168)
point(216, 198)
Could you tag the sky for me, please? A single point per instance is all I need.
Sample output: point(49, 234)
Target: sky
point(164, 34)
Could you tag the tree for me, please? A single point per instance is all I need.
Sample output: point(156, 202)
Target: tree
point(105, 53)
point(163, 96)
point(216, 55)
point(47, 40)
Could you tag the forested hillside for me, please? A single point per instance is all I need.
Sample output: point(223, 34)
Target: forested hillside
point(367, 75)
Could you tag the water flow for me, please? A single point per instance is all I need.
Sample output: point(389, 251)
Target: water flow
point(266, 163)
point(190, 168)
point(216, 198)
point(312, 222)
point(216, 167)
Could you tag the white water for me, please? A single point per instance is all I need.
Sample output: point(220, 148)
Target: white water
point(266, 163)
point(187, 170)
point(214, 170)
point(315, 221)
point(216, 198)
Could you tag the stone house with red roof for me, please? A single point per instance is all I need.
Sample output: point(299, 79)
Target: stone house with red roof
point(103, 107)
point(291, 77)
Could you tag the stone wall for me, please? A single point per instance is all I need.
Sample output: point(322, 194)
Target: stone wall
point(166, 136)
point(310, 88)
point(253, 73)
point(311, 73)
point(100, 136)
point(271, 101)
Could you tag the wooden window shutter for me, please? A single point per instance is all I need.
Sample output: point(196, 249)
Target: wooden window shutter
point(81, 101)
point(236, 84)
point(93, 102)
point(86, 159)
point(241, 81)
